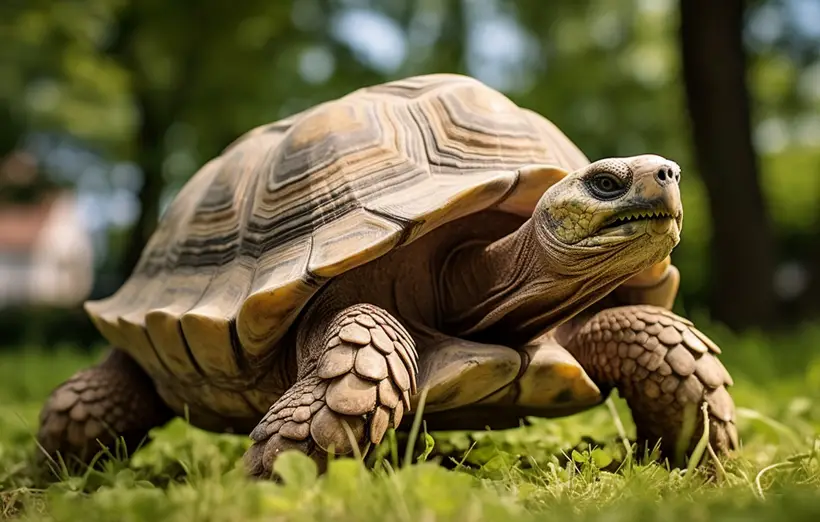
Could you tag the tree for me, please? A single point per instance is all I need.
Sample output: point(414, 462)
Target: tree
point(714, 71)
point(170, 68)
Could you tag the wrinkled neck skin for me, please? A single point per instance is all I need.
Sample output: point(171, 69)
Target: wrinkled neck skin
point(514, 289)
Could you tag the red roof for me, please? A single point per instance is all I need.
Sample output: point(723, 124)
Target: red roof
point(20, 224)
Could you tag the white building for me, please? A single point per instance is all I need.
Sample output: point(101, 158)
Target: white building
point(46, 253)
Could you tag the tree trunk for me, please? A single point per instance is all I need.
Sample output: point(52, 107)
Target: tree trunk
point(151, 155)
point(714, 70)
point(158, 113)
point(811, 297)
point(148, 146)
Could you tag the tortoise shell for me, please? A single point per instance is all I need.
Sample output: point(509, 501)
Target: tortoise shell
point(289, 205)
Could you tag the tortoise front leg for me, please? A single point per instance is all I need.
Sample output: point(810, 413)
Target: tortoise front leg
point(662, 365)
point(99, 405)
point(657, 285)
point(357, 367)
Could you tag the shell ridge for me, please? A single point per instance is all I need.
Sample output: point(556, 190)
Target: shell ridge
point(139, 329)
point(408, 226)
point(202, 309)
point(184, 324)
point(248, 212)
point(431, 161)
point(511, 190)
point(188, 351)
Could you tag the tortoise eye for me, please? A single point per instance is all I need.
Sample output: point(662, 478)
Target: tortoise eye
point(606, 185)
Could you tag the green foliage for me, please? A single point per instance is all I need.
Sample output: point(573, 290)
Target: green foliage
point(793, 187)
point(196, 75)
point(573, 468)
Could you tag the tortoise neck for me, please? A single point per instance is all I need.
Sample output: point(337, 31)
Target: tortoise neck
point(513, 289)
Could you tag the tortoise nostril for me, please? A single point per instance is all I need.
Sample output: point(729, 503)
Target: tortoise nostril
point(666, 175)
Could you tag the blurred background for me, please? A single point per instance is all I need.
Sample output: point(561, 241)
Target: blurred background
point(107, 107)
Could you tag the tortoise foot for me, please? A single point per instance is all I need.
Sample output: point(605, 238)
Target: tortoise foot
point(96, 408)
point(359, 388)
point(665, 368)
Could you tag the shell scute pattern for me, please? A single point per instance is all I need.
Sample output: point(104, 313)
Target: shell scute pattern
point(257, 231)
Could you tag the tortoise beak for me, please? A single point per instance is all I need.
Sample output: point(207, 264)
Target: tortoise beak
point(658, 182)
point(670, 202)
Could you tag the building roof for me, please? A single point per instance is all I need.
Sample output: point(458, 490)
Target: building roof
point(20, 224)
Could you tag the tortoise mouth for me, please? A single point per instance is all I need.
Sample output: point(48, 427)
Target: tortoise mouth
point(634, 216)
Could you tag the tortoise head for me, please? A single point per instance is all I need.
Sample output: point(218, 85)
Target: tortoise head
point(630, 207)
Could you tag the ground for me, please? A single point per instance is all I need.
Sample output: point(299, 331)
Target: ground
point(570, 469)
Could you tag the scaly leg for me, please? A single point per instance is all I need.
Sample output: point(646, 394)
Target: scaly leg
point(98, 405)
point(357, 367)
point(661, 364)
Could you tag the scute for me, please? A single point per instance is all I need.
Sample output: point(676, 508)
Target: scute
point(258, 230)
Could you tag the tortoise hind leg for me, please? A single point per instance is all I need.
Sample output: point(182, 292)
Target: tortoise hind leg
point(662, 365)
point(97, 406)
point(357, 368)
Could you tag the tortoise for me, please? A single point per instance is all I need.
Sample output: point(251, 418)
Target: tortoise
point(421, 236)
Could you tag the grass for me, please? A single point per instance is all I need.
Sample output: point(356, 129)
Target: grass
point(551, 470)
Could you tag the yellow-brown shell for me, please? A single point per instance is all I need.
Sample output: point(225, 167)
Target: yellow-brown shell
point(259, 229)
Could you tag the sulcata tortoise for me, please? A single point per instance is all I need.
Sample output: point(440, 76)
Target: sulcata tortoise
point(306, 285)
